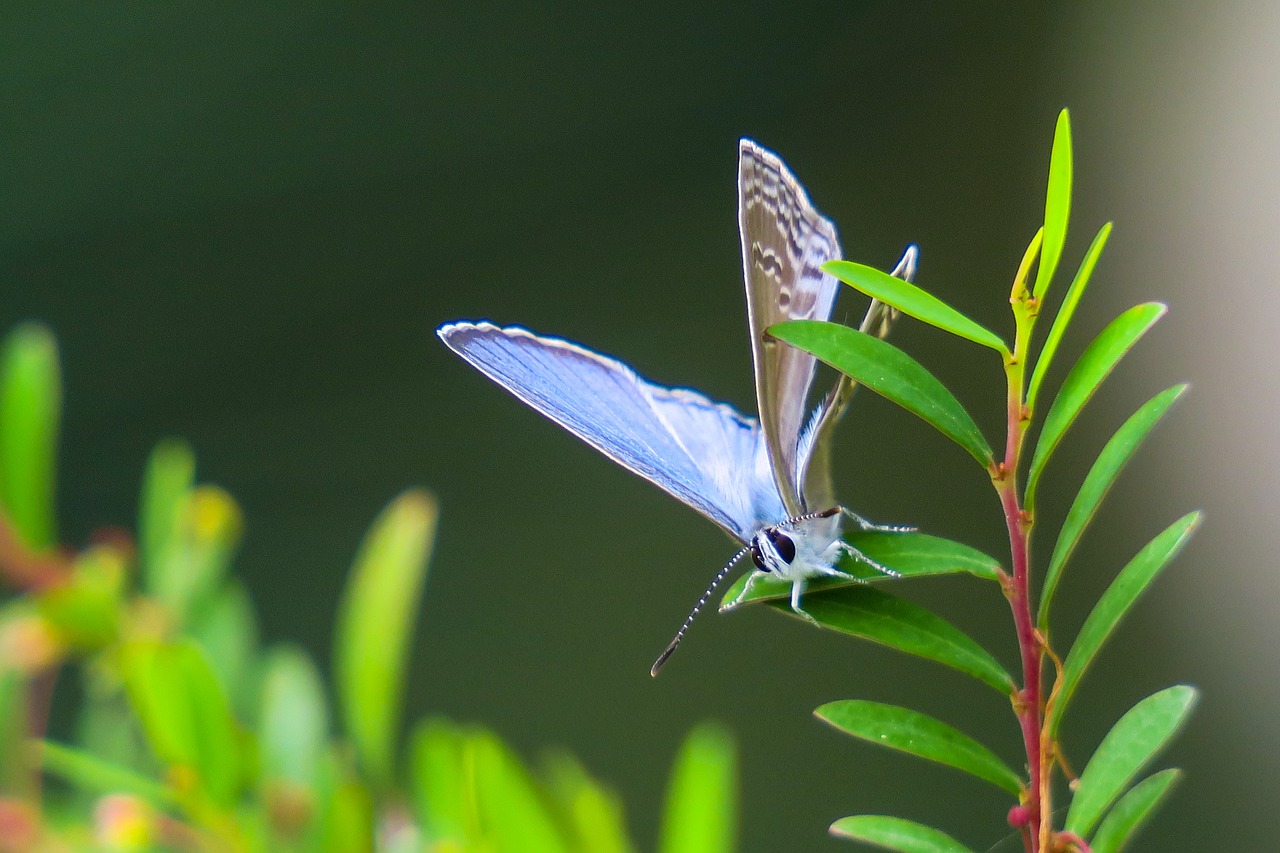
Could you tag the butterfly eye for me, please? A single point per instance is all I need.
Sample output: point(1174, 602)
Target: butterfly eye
point(757, 558)
point(782, 542)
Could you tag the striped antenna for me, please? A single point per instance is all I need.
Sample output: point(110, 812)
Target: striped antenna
point(715, 582)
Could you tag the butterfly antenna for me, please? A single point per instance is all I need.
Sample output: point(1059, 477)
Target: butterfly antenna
point(715, 582)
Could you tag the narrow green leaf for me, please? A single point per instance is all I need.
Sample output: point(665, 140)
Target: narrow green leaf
point(701, 814)
point(1057, 205)
point(1133, 810)
point(375, 626)
point(1131, 743)
point(86, 610)
point(914, 302)
point(203, 525)
point(1133, 579)
point(1029, 256)
point(866, 612)
point(211, 525)
point(1066, 311)
point(106, 726)
point(1101, 477)
point(593, 814)
point(920, 735)
point(185, 713)
point(169, 479)
point(217, 736)
point(91, 773)
point(293, 732)
point(14, 703)
point(30, 409)
point(911, 555)
point(444, 801)
point(226, 629)
point(513, 810)
point(1095, 364)
point(890, 372)
point(293, 723)
point(159, 699)
point(895, 833)
point(346, 811)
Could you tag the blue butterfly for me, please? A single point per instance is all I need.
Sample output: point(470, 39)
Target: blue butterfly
point(766, 483)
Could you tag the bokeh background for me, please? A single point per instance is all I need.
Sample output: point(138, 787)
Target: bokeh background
point(244, 222)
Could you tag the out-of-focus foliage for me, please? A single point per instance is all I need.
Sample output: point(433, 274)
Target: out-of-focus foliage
point(193, 737)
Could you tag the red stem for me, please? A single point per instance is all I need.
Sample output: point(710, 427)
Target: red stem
point(25, 569)
point(1028, 702)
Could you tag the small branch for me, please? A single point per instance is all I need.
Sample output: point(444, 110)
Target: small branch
point(1080, 845)
point(26, 570)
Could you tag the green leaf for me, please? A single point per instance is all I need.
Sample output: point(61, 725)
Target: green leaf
point(1101, 477)
point(701, 814)
point(293, 732)
point(890, 372)
point(593, 814)
point(862, 611)
point(1131, 743)
point(346, 812)
point(920, 735)
point(1095, 364)
point(106, 726)
point(91, 773)
point(185, 713)
point(1057, 205)
point(1132, 811)
point(211, 525)
point(910, 554)
point(214, 731)
point(375, 626)
point(169, 479)
point(226, 629)
point(14, 701)
point(30, 408)
point(1029, 256)
point(514, 813)
point(894, 833)
point(1065, 312)
point(86, 609)
point(914, 302)
point(293, 723)
point(1133, 579)
point(445, 805)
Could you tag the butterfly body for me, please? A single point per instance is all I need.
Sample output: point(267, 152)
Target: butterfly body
point(766, 482)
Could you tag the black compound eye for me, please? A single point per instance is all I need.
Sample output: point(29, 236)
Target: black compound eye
point(782, 542)
point(757, 559)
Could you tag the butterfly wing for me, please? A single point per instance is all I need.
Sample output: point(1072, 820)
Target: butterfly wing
point(815, 443)
point(701, 452)
point(785, 242)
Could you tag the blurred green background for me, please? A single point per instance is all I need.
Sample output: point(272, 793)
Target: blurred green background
point(245, 222)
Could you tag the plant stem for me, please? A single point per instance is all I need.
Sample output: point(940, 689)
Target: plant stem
point(1028, 703)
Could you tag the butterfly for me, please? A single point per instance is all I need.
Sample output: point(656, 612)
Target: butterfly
point(767, 482)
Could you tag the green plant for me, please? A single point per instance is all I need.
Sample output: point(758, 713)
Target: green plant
point(1104, 811)
point(192, 737)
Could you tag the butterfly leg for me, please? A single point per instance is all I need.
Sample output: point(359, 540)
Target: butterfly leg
point(797, 590)
point(746, 589)
point(871, 526)
point(845, 548)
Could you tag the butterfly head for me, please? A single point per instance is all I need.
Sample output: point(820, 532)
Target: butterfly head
point(773, 551)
